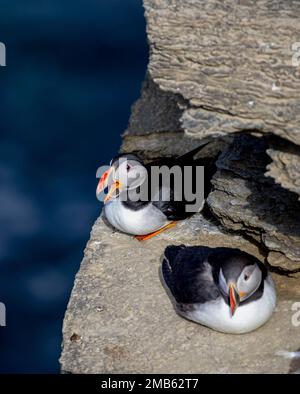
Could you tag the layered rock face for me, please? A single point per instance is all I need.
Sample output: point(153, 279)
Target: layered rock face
point(222, 72)
point(216, 71)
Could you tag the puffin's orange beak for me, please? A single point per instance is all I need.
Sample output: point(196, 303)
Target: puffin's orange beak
point(234, 299)
point(103, 181)
point(112, 191)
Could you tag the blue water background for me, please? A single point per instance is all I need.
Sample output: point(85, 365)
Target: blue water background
point(74, 68)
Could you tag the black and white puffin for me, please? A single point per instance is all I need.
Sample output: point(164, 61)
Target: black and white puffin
point(145, 219)
point(222, 288)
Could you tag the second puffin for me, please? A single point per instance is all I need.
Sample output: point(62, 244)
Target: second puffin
point(222, 288)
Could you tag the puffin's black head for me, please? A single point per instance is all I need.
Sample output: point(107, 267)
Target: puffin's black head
point(240, 275)
point(126, 172)
point(120, 158)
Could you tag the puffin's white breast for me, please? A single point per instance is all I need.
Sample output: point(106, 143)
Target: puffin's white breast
point(140, 222)
point(247, 317)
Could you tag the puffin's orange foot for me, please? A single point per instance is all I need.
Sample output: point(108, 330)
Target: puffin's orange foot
point(147, 236)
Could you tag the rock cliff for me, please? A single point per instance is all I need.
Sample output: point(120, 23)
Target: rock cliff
point(219, 71)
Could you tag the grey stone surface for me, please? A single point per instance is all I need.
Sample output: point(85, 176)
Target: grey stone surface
point(231, 61)
point(282, 262)
point(285, 167)
point(155, 111)
point(245, 200)
point(154, 129)
point(154, 146)
point(232, 65)
point(120, 319)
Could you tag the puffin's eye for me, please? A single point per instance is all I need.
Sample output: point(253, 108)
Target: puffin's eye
point(246, 277)
point(128, 167)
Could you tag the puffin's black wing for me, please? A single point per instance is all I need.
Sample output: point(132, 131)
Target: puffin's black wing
point(173, 209)
point(189, 275)
point(180, 160)
point(189, 155)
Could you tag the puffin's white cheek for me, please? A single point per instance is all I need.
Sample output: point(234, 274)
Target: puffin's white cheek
point(242, 287)
point(245, 288)
point(243, 295)
point(137, 177)
point(123, 182)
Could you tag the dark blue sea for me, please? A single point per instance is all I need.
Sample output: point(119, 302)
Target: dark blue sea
point(74, 68)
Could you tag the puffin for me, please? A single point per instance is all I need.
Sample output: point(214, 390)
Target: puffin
point(225, 289)
point(161, 209)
